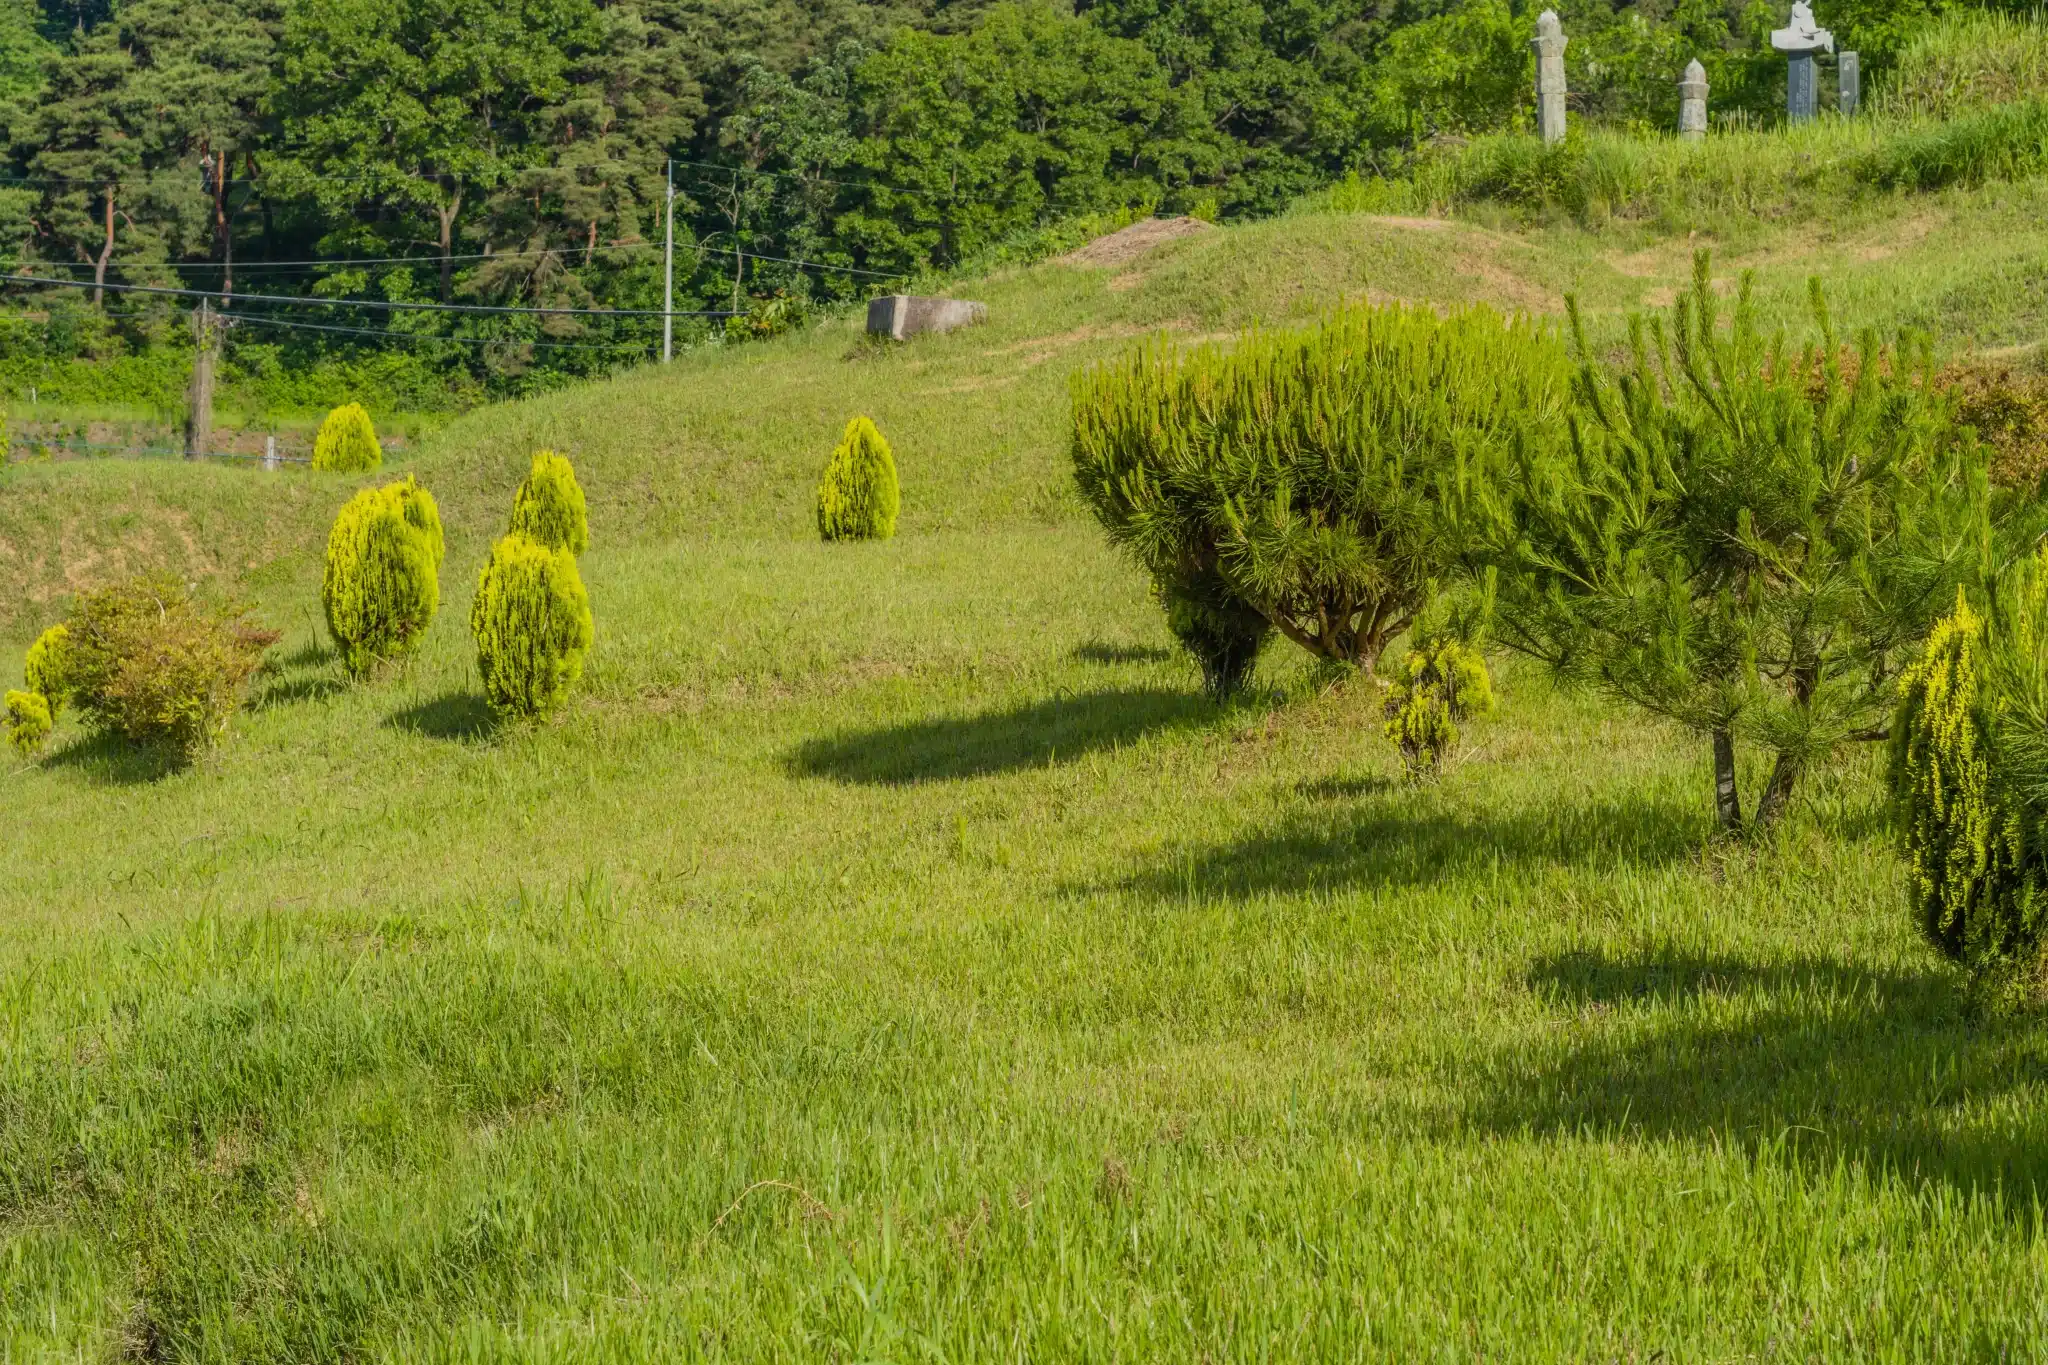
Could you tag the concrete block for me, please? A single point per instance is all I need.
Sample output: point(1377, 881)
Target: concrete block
point(902, 316)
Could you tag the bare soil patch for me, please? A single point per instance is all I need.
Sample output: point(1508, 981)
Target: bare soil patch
point(1122, 247)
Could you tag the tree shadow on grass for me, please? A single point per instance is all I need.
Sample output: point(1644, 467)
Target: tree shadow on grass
point(460, 716)
point(109, 760)
point(1811, 1059)
point(1369, 833)
point(1061, 728)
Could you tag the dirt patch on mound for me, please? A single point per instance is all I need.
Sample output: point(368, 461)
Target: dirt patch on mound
point(1121, 248)
point(1418, 224)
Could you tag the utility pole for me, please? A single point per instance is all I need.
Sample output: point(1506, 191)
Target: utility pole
point(668, 260)
point(199, 420)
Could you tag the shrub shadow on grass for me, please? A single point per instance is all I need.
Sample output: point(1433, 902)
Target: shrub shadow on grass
point(459, 716)
point(1101, 652)
point(1809, 1060)
point(287, 691)
point(112, 761)
point(1059, 729)
point(1372, 833)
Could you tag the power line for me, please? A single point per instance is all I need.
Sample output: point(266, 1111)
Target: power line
point(387, 334)
point(350, 263)
point(383, 305)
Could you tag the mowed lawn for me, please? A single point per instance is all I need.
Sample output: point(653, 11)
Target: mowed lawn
point(889, 955)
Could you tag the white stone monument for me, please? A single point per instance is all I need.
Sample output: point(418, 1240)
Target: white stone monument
point(1549, 44)
point(1692, 103)
point(1799, 41)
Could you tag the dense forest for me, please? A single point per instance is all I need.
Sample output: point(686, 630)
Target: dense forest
point(517, 152)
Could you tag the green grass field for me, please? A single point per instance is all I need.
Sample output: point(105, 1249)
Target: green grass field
point(890, 956)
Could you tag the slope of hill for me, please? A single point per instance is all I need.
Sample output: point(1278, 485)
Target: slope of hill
point(890, 953)
point(726, 443)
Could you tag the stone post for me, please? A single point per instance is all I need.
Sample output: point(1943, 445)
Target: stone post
point(1850, 73)
point(1549, 44)
point(1801, 88)
point(1692, 103)
point(1800, 40)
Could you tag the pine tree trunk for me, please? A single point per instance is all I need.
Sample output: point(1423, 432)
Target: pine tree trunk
point(1727, 800)
point(99, 267)
point(1777, 793)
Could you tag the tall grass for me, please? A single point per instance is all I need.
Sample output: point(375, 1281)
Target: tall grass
point(1972, 61)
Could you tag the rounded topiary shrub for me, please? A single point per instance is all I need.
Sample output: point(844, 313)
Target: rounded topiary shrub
point(532, 625)
point(347, 443)
point(148, 662)
point(858, 497)
point(29, 721)
point(549, 505)
point(383, 580)
point(48, 671)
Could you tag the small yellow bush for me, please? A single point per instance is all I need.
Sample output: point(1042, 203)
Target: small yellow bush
point(549, 505)
point(531, 620)
point(347, 443)
point(1441, 683)
point(28, 721)
point(858, 497)
point(382, 584)
point(48, 670)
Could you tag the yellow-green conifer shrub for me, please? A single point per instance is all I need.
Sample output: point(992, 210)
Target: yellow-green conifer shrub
point(383, 580)
point(858, 497)
point(549, 505)
point(1969, 780)
point(1941, 781)
point(48, 670)
point(1440, 683)
point(29, 721)
point(347, 443)
point(531, 620)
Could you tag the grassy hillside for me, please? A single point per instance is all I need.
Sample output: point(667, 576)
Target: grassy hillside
point(891, 956)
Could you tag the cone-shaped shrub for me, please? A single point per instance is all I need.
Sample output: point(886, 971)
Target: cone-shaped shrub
point(532, 625)
point(28, 721)
point(383, 580)
point(1441, 683)
point(347, 443)
point(858, 497)
point(48, 668)
point(549, 506)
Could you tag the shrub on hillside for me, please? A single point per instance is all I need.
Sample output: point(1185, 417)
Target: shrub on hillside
point(1320, 480)
point(549, 505)
point(1223, 635)
point(1748, 547)
point(347, 443)
point(858, 496)
point(774, 316)
point(29, 721)
point(148, 662)
point(531, 620)
point(1442, 680)
point(382, 584)
point(48, 670)
point(1969, 781)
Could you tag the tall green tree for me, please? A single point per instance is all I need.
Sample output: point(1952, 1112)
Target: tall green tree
point(1744, 540)
point(1031, 114)
point(420, 108)
point(90, 136)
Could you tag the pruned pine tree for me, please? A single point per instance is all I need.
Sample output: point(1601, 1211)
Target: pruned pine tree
point(1745, 540)
point(1322, 479)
